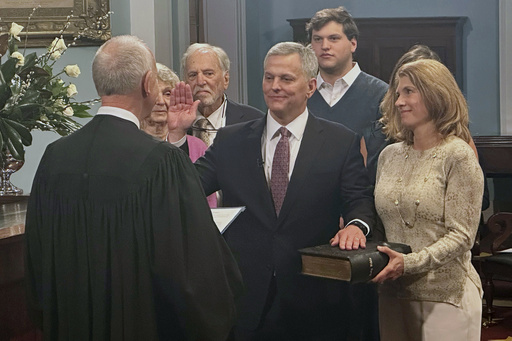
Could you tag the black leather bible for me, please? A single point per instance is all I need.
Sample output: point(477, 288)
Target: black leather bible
point(354, 266)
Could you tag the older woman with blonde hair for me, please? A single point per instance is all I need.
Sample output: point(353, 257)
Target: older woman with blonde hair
point(428, 194)
point(165, 125)
point(156, 123)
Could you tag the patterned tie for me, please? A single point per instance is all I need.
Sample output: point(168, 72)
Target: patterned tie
point(280, 168)
point(202, 125)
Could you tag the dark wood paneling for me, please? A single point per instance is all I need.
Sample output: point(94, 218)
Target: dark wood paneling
point(495, 155)
point(382, 41)
point(15, 324)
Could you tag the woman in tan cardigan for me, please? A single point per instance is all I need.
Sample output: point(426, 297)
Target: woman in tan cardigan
point(428, 194)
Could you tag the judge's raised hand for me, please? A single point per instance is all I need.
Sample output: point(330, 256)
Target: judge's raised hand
point(349, 238)
point(395, 267)
point(182, 109)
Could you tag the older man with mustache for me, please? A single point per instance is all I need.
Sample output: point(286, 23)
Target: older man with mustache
point(206, 69)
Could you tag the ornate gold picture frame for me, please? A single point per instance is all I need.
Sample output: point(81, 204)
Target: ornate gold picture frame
point(87, 21)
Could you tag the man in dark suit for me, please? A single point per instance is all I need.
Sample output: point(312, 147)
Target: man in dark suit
point(206, 69)
point(252, 165)
point(120, 241)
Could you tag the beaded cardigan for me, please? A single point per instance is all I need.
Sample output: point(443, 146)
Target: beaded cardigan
point(432, 201)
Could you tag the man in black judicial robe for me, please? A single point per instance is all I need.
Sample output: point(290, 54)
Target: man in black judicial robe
point(120, 242)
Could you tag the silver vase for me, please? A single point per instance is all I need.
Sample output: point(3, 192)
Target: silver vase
point(9, 166)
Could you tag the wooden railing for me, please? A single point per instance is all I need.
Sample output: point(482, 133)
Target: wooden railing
point(15, 323)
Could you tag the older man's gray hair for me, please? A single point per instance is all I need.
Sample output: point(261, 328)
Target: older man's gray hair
point(219, 52)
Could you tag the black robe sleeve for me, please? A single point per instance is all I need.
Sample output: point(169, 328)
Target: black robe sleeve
point(115, 256)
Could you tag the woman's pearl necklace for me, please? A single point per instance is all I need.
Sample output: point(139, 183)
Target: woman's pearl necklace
point(400, 181)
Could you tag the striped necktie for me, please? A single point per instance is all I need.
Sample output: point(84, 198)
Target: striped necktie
point(202, 124)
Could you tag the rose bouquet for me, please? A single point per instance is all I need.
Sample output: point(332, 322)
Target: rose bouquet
point(33, 95)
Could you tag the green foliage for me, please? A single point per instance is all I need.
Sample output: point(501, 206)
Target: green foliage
point(33, 97)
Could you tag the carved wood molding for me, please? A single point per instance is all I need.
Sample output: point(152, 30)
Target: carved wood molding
point(495, 155)
point(382, 41)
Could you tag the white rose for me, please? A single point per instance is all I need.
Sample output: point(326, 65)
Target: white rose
point(55, 55)
point(72, 90)
point(59, 45)
point(15, 30)
point(20, 57)
point(72, 70)
point(59, 102)
point(68, 112)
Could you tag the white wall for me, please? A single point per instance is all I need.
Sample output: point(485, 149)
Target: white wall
point(506, 66)
point(142, 20)
point(172, 31)
point(225, 27)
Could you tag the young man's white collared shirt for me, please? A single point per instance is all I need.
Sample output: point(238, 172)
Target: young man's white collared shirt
point(332, 94)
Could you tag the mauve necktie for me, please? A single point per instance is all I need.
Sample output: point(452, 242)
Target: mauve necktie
point(280, 168)
point(202, 124)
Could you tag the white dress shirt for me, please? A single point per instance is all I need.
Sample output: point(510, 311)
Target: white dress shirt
point(332, 94)
point(118, 112)
point(271, 137)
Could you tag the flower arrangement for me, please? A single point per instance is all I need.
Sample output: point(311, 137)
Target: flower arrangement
point(33, 95)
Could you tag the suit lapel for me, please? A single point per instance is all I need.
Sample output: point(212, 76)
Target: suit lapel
point(310, 148)
point(232, 115)
point(261, 192)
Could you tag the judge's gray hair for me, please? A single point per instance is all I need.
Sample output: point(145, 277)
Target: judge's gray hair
point(222, 56)
point(120, 64)
point(306, 54)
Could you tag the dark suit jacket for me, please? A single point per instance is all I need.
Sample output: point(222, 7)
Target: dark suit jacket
point(238, 113)
point(328, 178)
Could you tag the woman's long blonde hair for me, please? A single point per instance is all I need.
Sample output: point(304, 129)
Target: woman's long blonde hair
point(416, 52)
point(446, 105)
